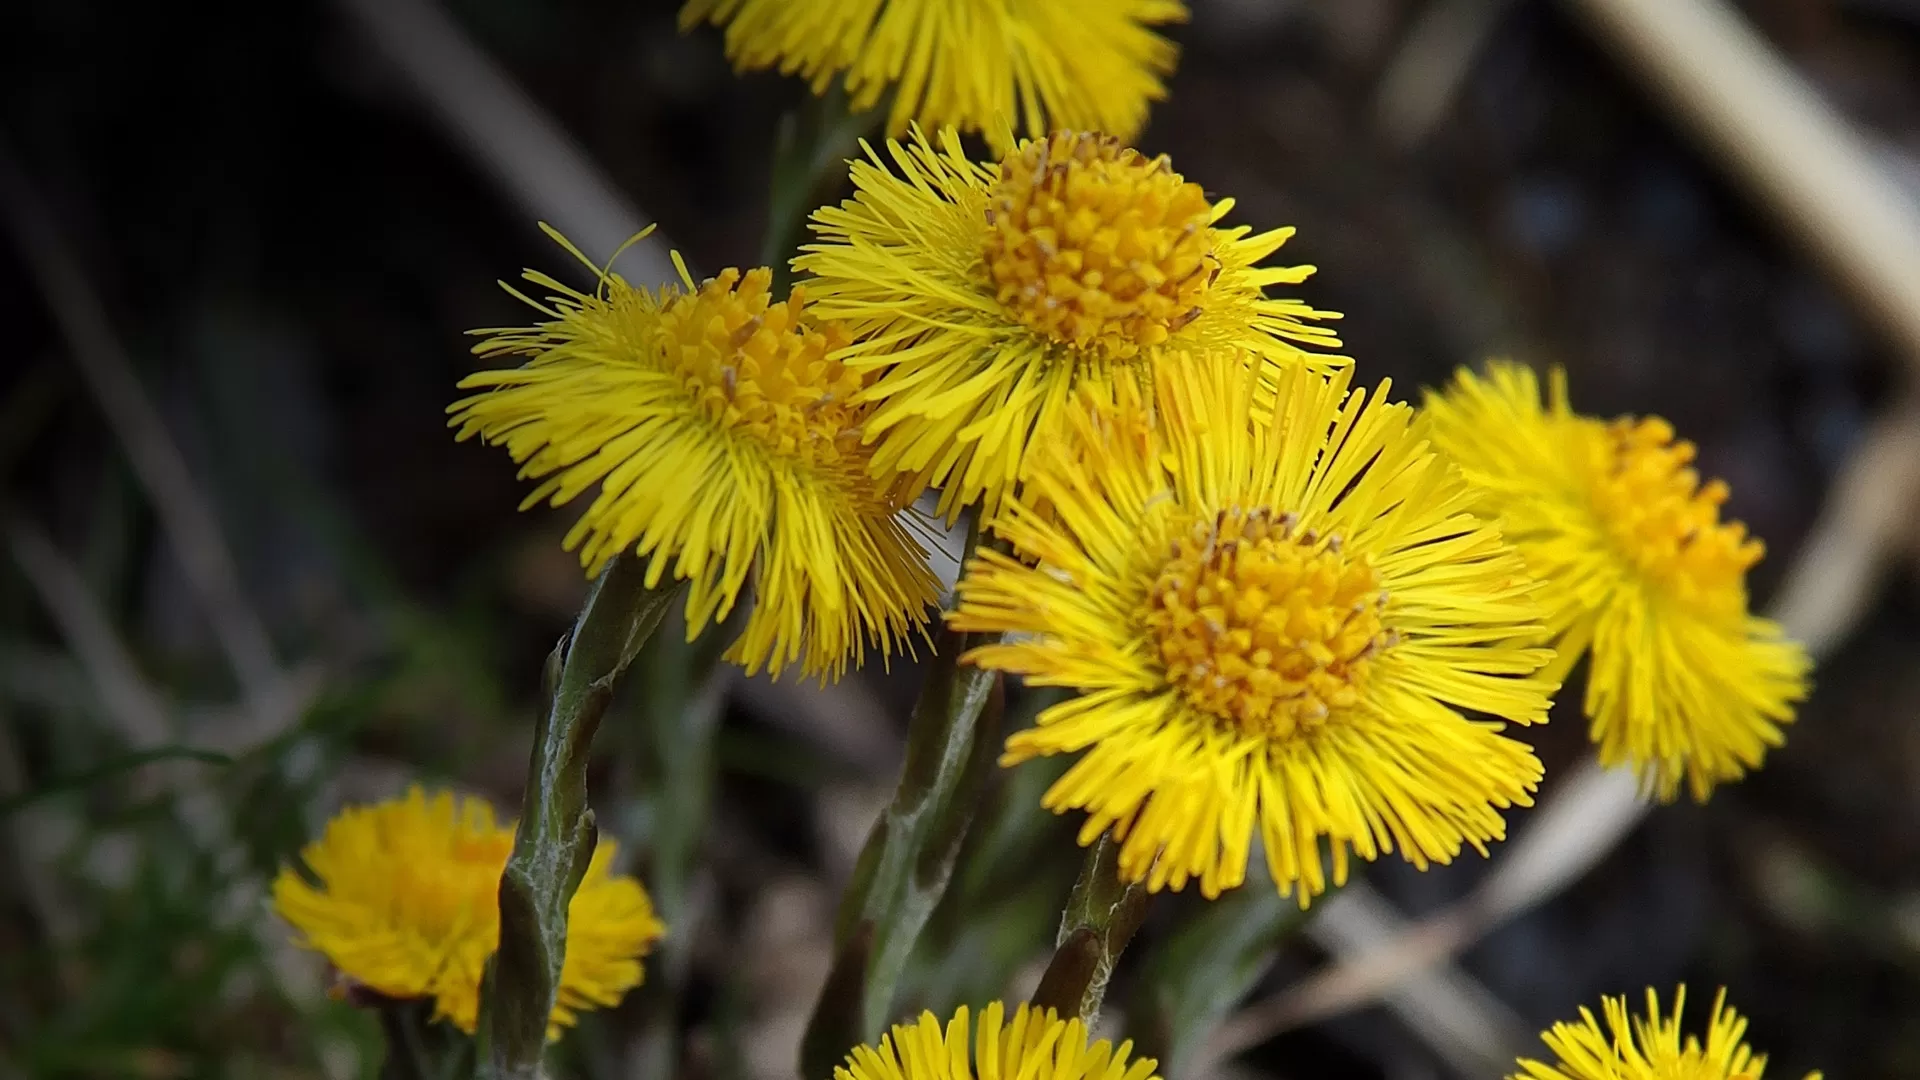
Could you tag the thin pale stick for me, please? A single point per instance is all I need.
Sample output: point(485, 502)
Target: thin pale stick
point(185, 512)
point(523, 149)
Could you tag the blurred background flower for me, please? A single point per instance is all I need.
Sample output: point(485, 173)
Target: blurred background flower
point(1031, 65)
point(404, 901)
point(1637, 570)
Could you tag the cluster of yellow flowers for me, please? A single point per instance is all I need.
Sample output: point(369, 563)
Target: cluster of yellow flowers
point(1293, 609)
point(1291, 606)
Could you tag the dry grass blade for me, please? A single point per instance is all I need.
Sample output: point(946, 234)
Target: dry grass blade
point(1433, 60)
point(517, 144)
point(184, 510)
point(133, 706)
point(1807, 165)
point(1868, 519)
point(1471, 1029)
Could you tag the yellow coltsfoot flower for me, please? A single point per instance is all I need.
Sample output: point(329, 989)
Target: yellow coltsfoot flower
point(987, 298)
point(405, 901)
point(1649, 1047)
point(1037, 1045)
point(724, 440)
point(977, 65)
point(1274, 620)
point(1685, 685)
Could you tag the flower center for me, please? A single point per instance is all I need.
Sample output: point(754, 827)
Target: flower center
point(761, 369)
point(1266, 627)
point(1665, 520)
point(1094, 245)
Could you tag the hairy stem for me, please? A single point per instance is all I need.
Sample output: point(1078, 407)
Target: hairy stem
point(556, 836)
point(909, 856)
point(1101, 916)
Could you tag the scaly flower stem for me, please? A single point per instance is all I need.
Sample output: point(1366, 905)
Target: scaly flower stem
point(904, 868)
point(556, 835)
point(1101, 916)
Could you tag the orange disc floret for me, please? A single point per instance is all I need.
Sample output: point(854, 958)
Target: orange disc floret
point(1096, 245)
point(1267, 625)
point(760, 368)
point(1663, 518)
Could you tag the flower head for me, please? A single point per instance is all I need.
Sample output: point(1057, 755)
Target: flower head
point(1649, 1047)
point(1273, 620)
point(1685, 684)
point(986, 298)
point(1037, 1045)
point(405, 901)
point(725, 443)
point(978, 65)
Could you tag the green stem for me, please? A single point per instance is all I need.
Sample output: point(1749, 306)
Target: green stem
point(556, 835)
point(909, 856)
point(1101, 916)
